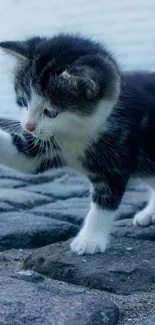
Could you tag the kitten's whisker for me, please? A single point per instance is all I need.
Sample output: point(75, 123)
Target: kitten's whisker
point(62, 150)
point(39, 154)
point(46, 154)
point(51, 151)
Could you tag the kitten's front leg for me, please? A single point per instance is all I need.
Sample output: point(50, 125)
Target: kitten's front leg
point(23, 153)
point(14, 152)
point(94, 235)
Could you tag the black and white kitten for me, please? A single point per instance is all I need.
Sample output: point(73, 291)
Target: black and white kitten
point(77, 110)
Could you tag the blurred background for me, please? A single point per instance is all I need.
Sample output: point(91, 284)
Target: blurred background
point(126, 27)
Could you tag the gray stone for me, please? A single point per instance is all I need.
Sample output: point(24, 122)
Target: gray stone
point(127, 266)
point(137, 185)
point(127, 211)
point(125, 273)
point(73, 177)
point(11, 261)
point(22, 199)
point(9, 183)
point(61, 191)
point(27, 303)
point(147, 321)
point(72, 210)
point(125, 228)
point(136, 198)
point(6, 207)
point(131, 306)
point(24, 230)
point(50, 175)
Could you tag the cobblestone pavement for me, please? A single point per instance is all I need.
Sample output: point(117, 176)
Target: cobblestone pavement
point(43, 283)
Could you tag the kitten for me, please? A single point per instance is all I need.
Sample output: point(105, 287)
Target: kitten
point(78, 110)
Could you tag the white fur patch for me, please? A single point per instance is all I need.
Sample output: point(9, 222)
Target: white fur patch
point(73, 132)
point(94, 235)
point(147, 215)
point(9, 155)
point(32, 115)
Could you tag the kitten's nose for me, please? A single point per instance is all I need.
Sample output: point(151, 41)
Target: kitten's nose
point(30, 127)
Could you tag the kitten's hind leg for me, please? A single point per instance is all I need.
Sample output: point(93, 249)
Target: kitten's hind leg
point(147, 215)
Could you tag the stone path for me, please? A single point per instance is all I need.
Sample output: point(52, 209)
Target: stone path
point(43, 283)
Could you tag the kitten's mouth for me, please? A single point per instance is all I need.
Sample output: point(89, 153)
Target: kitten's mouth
point(50, 141)
point(42, 136)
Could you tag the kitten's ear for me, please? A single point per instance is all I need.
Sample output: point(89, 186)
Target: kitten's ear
point(87, 86)
point(84, 84)
point(21, 50)
point(16, 49)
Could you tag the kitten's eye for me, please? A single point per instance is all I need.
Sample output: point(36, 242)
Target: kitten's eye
point(24, 102)
point(50, 114)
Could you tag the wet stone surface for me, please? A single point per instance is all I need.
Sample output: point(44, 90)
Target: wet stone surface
point(43, 282)
point(24, 302)
point(147, 321)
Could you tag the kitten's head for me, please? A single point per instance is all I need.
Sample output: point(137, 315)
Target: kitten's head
point(65, 85)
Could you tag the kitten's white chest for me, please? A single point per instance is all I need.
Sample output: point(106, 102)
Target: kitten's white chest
point(74, 152)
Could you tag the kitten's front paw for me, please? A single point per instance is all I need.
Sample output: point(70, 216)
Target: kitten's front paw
point(85, 244)
point(143, 219)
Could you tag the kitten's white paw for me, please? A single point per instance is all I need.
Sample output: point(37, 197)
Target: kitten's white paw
point(93, 236)
point(85, 244)
point(143, 219)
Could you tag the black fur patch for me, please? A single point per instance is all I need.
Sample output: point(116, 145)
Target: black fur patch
point(48, 58)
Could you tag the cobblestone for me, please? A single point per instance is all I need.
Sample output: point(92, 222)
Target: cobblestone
point(22, 199)
point(39, 215)
point(23, 302)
